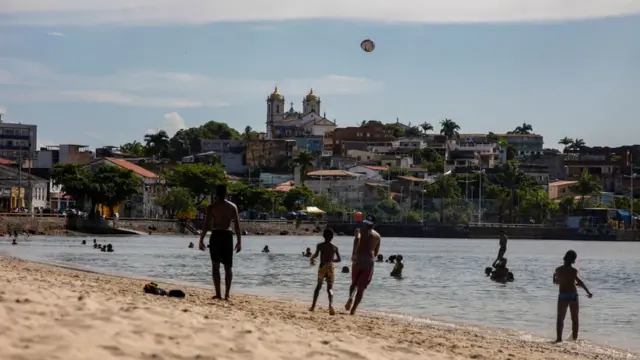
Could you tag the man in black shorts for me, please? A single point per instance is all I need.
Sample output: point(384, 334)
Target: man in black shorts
point(220, 214)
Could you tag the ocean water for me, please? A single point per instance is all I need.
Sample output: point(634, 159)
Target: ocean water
point(443, 278)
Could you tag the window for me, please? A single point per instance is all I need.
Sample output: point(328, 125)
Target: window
point(24, 132)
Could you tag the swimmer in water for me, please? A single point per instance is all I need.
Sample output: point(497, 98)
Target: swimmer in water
point(329, 254)
point(566, 276)
point(366, 246)
point(307, 253)
point(265, 249)
point(501, 271)
point(398, 267)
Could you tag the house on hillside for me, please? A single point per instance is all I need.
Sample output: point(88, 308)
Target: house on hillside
point(21, 189)
point(143, 204)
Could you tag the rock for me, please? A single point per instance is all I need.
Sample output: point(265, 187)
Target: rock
point(285, 232)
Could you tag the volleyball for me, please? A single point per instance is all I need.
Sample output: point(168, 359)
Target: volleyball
point(368, 45)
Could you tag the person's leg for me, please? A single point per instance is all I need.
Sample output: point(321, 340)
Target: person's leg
point(216, 280)
point(562, 313)
point(227, 260)
point(363, 282)
point(228, 278)
point(574, 309)
point(355, 273)
point(316, 293)
point(330, 279)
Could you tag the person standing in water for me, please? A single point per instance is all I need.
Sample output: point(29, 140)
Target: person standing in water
point(366, 247)
point(220, 214)
point(503, 246)
point(329, 254)
point(566, 276)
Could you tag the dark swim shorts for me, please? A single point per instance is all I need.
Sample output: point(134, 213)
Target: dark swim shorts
point(221, 247)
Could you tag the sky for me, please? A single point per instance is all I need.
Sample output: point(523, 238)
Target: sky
point(106, 73)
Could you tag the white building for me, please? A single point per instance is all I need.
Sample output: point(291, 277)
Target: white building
point(340, 186)
point(291, 123)
point(34, 188)
point(370, 172)
point(409, 143)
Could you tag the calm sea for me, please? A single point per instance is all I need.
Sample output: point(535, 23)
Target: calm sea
point(443, 278)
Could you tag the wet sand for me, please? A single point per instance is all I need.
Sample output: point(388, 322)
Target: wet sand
point(49, 312)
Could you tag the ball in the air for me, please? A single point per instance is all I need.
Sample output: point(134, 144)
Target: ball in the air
point(368, 45)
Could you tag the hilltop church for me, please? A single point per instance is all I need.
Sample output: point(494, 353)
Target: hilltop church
point(283, 124)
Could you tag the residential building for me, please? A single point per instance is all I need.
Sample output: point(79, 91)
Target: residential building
point(263, 152)
point(283, 124)
point(540, 173)
point(141, 205)
point(221, 145)
point(550, 158)
point(49, 156)
point(364, 156)
point(234, 161)
point(398, 161)
point(270, 179)
point(109, 151)
point(373, 133)
point(560, 189)
point(23, 188)
point(609, 165)
point(338, 162)
point(340, 186)
point(11, 198)
point(312, 144)
point(17, 141)
point(370, 172)
point(525, 144)
point(409, 143)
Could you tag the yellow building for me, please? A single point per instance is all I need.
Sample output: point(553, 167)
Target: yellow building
point(10, 200)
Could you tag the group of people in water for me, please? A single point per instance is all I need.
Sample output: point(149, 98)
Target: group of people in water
point(365, 252)
point(103, 248)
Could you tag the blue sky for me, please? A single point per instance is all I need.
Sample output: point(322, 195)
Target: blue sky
point(109, 73)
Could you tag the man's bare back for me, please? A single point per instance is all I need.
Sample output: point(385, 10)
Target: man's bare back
point(222, 214)
point(327, 252)
point(366, 246)
point(566, 278)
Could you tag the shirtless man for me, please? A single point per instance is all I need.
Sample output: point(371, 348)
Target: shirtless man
point(566, 276)
point(503, 245)
point(366, 246)
point(220, 214)
point(328, 255)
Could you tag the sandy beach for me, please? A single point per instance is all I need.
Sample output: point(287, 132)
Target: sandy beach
point(48, 312)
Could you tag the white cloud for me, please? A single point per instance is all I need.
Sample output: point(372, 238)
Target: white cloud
point(153, 12)
point(172, 123)
point(55, 33)
point(31, 82)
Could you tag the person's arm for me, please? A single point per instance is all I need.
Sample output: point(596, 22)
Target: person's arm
point(338, 257)
point(555, 277)
point(356, 243)
point(207, 224)
point(580, 283)
point(236, 221)
point(377, 249)
point(315, 254)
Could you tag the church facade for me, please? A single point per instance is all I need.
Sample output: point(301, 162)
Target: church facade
point(287, 124)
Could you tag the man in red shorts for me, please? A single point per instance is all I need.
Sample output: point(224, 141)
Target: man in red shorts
point(366, 246)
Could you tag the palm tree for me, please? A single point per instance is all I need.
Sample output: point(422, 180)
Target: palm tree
point(133, 148)
point(566, 142)
point(426, 127)
point(524, 129)
point(157, 144)
point(511, 178)
point(587, 185)
point(449, 129)
point(577, 144)
point(247, 134)
point(304, 160)
point(413, 132)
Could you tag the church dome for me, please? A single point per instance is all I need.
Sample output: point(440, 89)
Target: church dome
point(311, 96)
point(275, 95)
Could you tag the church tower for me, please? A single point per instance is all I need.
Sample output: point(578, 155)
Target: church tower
point(310, 103)
point(275, 111)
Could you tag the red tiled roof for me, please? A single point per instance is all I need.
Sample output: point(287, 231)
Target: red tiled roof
point(133, 167)
point(411, 178)
point(4, 161)
point(284, 187)
point(376, 168)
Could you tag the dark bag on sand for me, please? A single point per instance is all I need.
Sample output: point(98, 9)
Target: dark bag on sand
point(152, 288)
point(176, 293)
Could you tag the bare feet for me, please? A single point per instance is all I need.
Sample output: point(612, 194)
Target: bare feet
point(217, 297)
point(347, 306)
point(312, 309)
point(332, 311)
point(558, 341)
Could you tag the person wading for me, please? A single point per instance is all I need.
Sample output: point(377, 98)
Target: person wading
point(366, 247)
point(220, 214)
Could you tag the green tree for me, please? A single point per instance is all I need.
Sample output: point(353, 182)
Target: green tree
point(157, 144)
point(426, 127)
point(413, 132)
point(524, 129)
point(295, 198)
point(511, 178)
point(587, 185)
point(576, 144)
point(396, 129)
point(444, 187)
point(176, 200)
point(449, 129)
point(566, 142)
point(388, 208)
point(133, 148)
point(113, 185)
point(200, 179)
point(304, 160)
point(393, 172)
point(75, 181)
point(188, 141)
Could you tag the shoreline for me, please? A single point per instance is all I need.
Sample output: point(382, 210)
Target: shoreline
point(276, 328)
